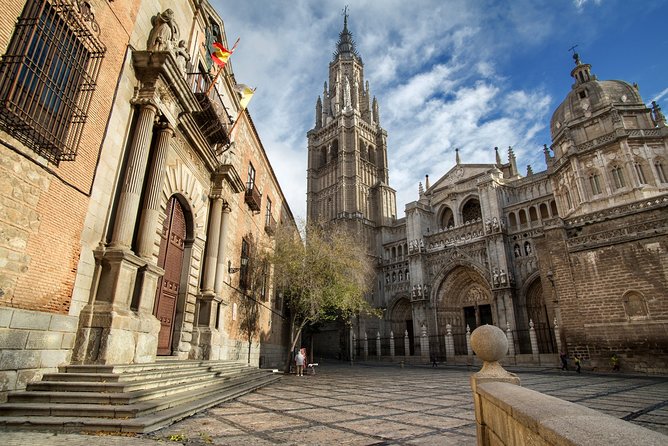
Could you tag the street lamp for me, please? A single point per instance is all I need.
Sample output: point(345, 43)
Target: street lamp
point(244, 262)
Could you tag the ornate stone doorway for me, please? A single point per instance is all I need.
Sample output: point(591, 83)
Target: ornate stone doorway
point(463, 299)
point(171, 260)
point(401, 321)
point(537, 312)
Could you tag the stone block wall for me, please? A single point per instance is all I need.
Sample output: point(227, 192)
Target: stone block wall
point(33, 343)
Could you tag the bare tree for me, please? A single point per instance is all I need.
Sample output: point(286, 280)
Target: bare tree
point(253, 281)
point(324, 278)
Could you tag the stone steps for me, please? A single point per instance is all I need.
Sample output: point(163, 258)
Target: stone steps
point(143, 402)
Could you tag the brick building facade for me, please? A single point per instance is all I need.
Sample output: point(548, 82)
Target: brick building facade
point(126, 200)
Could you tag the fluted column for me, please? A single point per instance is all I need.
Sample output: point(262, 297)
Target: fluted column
point(151, 211)
point(221, 267)
point(128, 203)
point(213, 239)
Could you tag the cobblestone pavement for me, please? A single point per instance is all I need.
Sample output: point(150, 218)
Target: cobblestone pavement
point(378, 405)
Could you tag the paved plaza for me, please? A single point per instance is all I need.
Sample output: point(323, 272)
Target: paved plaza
point(379, 405)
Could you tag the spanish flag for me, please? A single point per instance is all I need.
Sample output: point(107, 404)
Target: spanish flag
point(245, 94)
point(222, 54)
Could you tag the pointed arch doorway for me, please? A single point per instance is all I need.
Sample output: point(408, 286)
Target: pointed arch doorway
point(170, 258)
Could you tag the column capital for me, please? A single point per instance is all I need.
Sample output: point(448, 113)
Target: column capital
point(145, 103)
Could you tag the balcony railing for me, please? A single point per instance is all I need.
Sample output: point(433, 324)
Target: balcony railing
point(269, 224)
point(253, 197)
point(213, 120)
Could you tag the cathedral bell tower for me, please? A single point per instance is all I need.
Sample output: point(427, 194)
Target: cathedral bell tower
point(347, 150)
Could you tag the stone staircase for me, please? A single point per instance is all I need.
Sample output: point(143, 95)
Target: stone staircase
point(127, 398)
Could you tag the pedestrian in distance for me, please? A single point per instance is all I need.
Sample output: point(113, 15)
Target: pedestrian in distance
point(564, 361)
point(614, 361)
point(578, 363)
point(299, 362)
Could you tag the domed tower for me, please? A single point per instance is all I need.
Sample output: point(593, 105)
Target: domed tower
point(608, 147)
point(347, 150)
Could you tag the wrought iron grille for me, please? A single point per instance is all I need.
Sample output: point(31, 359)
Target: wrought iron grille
point(48, 75)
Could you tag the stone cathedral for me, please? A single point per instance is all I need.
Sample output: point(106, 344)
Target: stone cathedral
point(573, 258)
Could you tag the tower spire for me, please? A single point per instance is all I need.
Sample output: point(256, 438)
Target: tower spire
point(345, 47)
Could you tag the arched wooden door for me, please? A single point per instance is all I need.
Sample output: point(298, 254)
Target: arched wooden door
point(171, 260)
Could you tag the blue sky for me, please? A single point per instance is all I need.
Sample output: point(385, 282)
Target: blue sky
point(472, 74)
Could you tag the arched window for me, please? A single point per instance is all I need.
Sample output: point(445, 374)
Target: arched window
point(618, 177)
point(471, 210)
point(543, 211)
point(394, 252)
point(660, 171)
point(533, 215)
point(408, 276)
point(635, 305)
point(640, 172)
point(394, 277)
point(523, 217)
point(595, 183)
point(323, 156)
point(363, 151)
point(334, 150)
point(447, 218)
point(401, 276)
point(512, 220)
point(371, 155)
point(553, 208)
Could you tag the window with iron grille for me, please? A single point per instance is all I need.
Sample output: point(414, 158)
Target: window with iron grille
point(243, 272)
point(48, 75)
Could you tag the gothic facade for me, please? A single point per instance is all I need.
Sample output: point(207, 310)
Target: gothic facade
point(134, 185)
point(573, 258)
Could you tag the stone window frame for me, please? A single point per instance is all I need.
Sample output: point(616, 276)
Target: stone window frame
point(638, 297)
point(617, 174)
point(594, 178)
point(660, 170)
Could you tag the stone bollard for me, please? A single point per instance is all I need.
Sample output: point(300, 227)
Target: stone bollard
point(392, 344)
point(407, 345)
point(366, 346)
point(490, 344)
point(511, 341)
point(449, 344)
point(469, 351)
point(557, 335)
point(534, 342)
point(378, 345)
point(424, 344)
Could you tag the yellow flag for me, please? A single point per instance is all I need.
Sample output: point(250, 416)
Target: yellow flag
point(245, 94)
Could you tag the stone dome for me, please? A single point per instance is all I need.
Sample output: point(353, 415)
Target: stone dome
point(589, 95)
point(599, 94)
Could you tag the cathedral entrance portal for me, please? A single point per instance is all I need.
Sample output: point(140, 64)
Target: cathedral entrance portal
point(401, 322)
point(170, 259)
point(537, 312)
point(464, 299)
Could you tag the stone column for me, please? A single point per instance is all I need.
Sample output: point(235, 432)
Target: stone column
point(378, 345)
point(128, 202)
point(212, 245)
point(557, 335)
point(511, 341)
point(392, 344)
point(352, 344)
point(221, 266)
point(534, 342)
point(407, 344)
point(449, 344)
point(151, 211)
point(424, 344)
point(468, 341)
point(366, 346)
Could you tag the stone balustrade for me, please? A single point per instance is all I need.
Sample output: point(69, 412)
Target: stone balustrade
point(507, 414)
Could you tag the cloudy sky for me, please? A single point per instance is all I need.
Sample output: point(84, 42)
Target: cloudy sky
point(471, 74)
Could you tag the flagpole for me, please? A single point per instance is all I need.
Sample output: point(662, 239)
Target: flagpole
point(243, 109)
point(213, 82)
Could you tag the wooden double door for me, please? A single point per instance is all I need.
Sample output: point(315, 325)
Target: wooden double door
point(172, 245)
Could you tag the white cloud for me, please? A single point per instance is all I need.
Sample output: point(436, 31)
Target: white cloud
point(581, 3)
point(663, 93)
point(434, 68)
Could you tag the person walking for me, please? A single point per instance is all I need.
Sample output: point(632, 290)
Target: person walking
point(578, 363)
point(299, 362)
point(564, 361)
